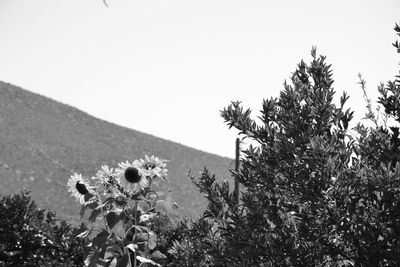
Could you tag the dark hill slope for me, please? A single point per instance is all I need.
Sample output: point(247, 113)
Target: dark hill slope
point(42, 142)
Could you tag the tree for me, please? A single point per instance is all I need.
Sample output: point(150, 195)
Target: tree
point(315, 193)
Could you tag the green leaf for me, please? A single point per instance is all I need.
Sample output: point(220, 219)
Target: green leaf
point(86, 206)
point(157, 255)
point(145, 260)
point(93, 259)
point(115, 248)
point(100, 239)
point(147, 216)
point(132, 247)
point(87, 197)
point(141, 237)
point(93, 215)
point(123, 261)
point(112, 219)
point(85, 233)
point(103, 250)
point(152, 242)
point(141, 229)
point(314, 144)
point(106, 203)
point(13, 253)
point(104, 263)
point(108, 263)
point(166, 206)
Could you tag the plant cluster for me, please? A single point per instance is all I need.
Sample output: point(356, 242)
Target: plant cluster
point(31, 237)
point(314, 192)
point(123, 199)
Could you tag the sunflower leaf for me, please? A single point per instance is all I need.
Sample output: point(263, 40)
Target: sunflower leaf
point(152, 241)
point(85, 233)
point(157, 255)
point(112, 219)
point(86, 206)
point(144, 260)
point(123, 261)
point(93, 215)
point(100, 239)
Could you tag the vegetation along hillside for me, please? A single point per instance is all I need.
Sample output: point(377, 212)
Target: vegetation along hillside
point(43, 142)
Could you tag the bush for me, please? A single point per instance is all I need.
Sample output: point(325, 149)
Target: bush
point(187, 242)
point(30, 236)
point(314, 192)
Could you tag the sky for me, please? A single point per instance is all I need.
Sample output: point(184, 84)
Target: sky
point(167, 68)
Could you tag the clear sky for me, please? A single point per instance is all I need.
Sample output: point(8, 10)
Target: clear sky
point(168, 67)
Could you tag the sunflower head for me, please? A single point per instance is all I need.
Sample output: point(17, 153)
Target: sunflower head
point(132, 175)
point(80, 188)
point(154, 167)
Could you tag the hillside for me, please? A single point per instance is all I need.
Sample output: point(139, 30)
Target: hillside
point(42, 142)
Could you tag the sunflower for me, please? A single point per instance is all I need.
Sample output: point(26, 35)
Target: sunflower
point(105, 172)
point(79, 187)
point(105, 175)
point(154, 167)
point(132, 176)
point(105, 181)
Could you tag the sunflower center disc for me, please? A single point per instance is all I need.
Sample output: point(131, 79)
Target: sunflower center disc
point(132, 175)
point(81, 188)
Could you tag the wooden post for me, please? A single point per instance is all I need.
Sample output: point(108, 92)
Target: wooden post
point(237, 196)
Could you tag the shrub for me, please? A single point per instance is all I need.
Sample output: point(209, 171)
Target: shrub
point(30, 236)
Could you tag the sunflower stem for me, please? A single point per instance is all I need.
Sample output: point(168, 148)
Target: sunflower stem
point(135, 210)
point(129, 258)
point(104, 217)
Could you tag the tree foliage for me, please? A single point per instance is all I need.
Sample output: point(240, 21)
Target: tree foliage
point(30, 236)
point(314, 192)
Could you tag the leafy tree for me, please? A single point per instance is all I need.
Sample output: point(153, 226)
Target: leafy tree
point(31, 237)
point(315, 193)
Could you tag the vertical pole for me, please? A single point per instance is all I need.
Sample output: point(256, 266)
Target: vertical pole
point(237, 169)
